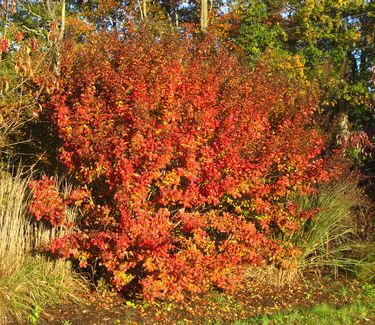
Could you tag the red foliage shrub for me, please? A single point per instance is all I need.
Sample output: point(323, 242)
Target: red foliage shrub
point(190, 160)
point(47, 204)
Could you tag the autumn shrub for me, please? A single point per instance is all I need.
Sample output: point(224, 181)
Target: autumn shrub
point(185, 159)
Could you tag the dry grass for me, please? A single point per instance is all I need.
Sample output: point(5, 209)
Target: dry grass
point(27, 279)
point(272, 276)
point(15, 229)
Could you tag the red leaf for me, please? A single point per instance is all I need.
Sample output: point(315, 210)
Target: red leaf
point(3, 45)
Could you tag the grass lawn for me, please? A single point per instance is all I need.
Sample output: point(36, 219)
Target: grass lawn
point(358, 312)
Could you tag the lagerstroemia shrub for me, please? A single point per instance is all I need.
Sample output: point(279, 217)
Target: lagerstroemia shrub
point(187, 161)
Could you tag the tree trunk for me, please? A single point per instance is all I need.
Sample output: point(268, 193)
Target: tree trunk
point(204, 15)
point(176, 17)
point(62, 28)
point(140, 6)
point(145, 8)
point(342, 124)
point(59, 40)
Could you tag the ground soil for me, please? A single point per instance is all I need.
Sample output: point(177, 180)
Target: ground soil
point(214, 307)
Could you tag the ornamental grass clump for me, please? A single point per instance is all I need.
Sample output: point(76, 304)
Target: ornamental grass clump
point(330, 240)
point(28, 279)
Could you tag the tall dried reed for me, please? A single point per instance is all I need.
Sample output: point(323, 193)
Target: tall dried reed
point(28, 278)
point(15, 226)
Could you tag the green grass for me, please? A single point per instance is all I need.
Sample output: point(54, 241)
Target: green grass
point(359, 309)
point(320, 314)
point(37, 283)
